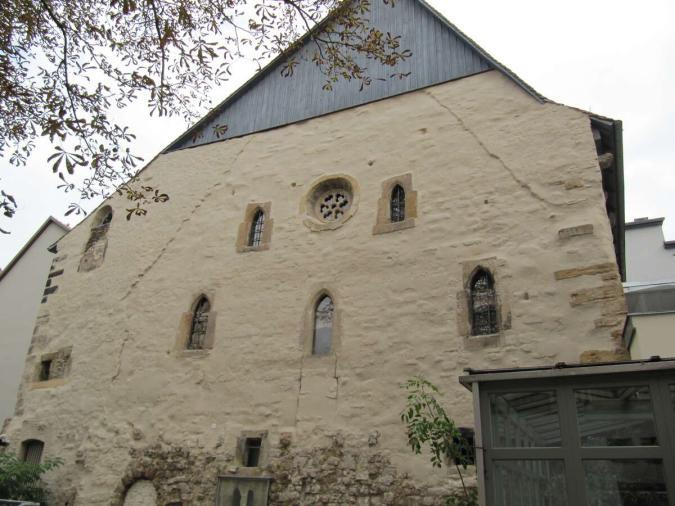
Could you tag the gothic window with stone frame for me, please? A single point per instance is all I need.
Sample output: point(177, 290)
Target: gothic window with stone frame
point(483, 304)
point(257, 226)
point(97, 243)
point(101, 226)
point(200, 322)
point(397, 204)
point(322, 341)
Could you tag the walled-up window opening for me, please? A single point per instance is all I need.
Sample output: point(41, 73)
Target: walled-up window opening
point(100, 227)
point(236, 497)
point(257, 226)
point(200, 322)
point(31, 451)
point(45, 370)
point(483, 304)
point(252, 451)
point(397, 204)
point(323, 326)
point(97, 243)
point(249, 498)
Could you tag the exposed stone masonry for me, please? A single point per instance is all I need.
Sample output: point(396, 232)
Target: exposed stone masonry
point(345, 471)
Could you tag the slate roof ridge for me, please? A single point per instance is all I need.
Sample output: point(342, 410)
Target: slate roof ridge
point(496, 63)
point(272, 65)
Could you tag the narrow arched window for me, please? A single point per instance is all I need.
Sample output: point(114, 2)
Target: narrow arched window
point(249, 498)
point(483, 304)
point(236, 497)
point(106, 218)
point(100, 227)
point(31, 451)
point(397, 204)
point(200, 322)
point(323, 326)
point(257, 226)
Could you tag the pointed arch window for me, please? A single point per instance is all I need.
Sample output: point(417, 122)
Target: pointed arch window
point(257, 226)
point(324, 312)
point(97, 243)
point(200, 323)
point(483, 303)
point(249, 498)
point(397, 204)
point(236, 497)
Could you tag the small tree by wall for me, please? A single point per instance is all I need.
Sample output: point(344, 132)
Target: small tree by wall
point(21, 481)
point(429, 426)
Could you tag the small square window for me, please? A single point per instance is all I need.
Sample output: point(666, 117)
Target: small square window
point(252, 451)
point(45, 370)
point(467, 447)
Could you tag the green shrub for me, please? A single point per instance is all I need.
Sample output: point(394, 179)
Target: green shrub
point(21, 481)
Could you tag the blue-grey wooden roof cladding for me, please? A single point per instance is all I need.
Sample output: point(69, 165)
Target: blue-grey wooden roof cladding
point(440, 53)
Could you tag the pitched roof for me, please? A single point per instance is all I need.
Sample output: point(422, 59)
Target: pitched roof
point(30, 242)
point(441, 53)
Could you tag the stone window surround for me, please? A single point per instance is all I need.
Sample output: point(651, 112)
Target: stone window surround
point(240, 451)
point(383, 223)
point(59, 369)
point(463, 317)
point(245, 227)
point(94, 250)
point(307, 334)
point(316, 189)
point(185, 327)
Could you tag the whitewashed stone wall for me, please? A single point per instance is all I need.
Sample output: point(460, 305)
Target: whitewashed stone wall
point(500, 179)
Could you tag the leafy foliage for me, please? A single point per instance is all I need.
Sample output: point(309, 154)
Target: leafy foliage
point(66, 65)
point(21, 480)
point(428, 425)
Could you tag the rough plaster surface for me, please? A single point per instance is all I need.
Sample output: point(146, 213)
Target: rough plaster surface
point(490, 166)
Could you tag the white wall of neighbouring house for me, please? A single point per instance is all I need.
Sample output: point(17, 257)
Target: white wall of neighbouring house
point(647, 258)
point(653, 336)
point(21, 287)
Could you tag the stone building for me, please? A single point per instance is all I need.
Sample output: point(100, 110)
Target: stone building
point(248, 338)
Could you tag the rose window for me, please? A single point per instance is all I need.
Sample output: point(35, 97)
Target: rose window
point(330, 202)
point(333, 205)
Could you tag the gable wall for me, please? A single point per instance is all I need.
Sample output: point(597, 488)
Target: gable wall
point(439, 55)
point(499, 177)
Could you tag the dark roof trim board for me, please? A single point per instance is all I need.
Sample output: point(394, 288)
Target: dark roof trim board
point(30, 242)
point(562, 370)
point(249, 111)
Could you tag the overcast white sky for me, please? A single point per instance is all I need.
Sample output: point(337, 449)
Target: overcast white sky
point(612, 57)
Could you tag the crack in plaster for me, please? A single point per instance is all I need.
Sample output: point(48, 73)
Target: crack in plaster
point(297, 404)
point(495, 156)
point(119, 357)
point(208, 193)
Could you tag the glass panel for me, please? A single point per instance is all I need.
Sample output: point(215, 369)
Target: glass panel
point(617, 416)
point(525, 419)
point(530, 483)
point(323, 327)
point(625, 483)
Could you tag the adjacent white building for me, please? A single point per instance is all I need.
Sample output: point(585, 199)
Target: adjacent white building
point(22, 288)
point(650, 290)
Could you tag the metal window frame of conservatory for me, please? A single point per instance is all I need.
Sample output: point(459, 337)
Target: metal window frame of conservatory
point(564, 380)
